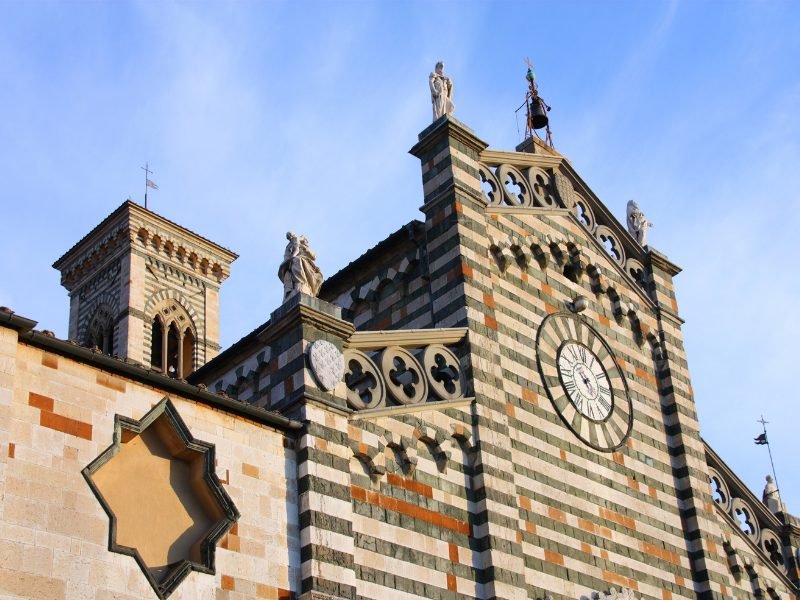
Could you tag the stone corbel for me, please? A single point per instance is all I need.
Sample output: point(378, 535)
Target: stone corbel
point(405, 453)
point(598, 280)
point(433, 439)
point(372, 458)
point(734, 564)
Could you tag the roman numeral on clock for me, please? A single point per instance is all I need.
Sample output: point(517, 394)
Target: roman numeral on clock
point(582, 354)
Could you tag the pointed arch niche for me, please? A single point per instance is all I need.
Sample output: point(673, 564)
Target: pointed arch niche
point(100, 331)
point(173, 340)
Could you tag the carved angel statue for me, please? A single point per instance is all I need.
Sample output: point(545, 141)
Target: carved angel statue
point(298, 271)
point(441, 92)
point(637, 224)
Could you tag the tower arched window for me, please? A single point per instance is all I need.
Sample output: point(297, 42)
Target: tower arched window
point(100, 331)
point(173, 340)
point(188, 351)
point(157, 343)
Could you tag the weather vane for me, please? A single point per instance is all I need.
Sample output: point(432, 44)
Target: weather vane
point(148, 183)
point(535, 108)
point(762, 440)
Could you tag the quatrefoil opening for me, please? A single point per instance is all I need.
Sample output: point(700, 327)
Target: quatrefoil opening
point(365, 387)
point(446, 376)
point(166, 506)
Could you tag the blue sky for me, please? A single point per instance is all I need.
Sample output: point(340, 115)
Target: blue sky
point(261, 117)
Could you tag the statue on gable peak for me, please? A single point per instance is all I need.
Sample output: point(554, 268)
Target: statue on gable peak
point(441, 92)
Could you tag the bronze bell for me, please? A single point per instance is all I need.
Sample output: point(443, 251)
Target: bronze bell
point(537, 113)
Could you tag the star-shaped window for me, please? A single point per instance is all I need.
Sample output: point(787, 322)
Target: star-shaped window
point(166, 506)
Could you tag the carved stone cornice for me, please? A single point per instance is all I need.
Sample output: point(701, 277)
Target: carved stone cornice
point(393, 411)
point(132, 226)
point(303, 309)
point(107, 251)
point(446, 195)
point(670, 316)
point(405, 338)
point(446, 126)
point(178, 246)
point(661, 262)
point(522, 159)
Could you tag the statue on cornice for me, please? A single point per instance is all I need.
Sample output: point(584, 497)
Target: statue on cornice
point(637, 223)
point(441, 92)
point(298, 271)
point(772, 497)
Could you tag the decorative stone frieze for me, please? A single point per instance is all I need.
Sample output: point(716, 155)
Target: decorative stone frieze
point(402, 450)
point(565, 255)
point(514, 181)
point(406, 376)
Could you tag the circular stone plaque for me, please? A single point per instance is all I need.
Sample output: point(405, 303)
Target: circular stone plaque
point(327, 363)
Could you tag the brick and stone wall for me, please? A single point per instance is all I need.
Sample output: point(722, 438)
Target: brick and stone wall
point(387, 287)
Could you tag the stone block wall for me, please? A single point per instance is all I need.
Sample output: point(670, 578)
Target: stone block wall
point(596, 519)
point(386, 288)
point(412, 523)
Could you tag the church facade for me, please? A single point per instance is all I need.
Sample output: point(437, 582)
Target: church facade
point(492, 403)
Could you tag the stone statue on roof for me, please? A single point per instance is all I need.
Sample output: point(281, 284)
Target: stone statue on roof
point(637, 223)
point(441, 92)
point(772, 497)
point(299, 271)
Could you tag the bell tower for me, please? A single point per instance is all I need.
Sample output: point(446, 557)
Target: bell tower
point(147, 289)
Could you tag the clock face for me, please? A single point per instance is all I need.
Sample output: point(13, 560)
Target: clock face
point(584, 382)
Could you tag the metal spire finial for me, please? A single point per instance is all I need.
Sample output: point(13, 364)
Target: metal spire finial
point(148, 183)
